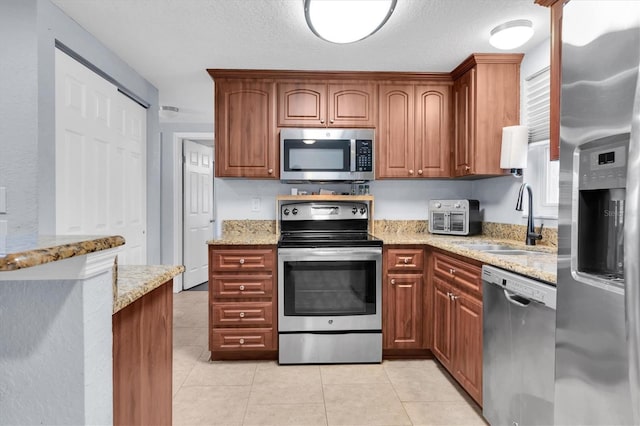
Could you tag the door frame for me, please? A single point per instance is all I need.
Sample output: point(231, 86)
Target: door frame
point(178, 196)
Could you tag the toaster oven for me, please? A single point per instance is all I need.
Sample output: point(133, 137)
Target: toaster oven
point(454, 217)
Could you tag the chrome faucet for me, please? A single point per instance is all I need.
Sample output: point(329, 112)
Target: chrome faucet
point(532, 236)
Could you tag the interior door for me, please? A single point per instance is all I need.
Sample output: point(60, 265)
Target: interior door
point(198, 211)
point(100, 159)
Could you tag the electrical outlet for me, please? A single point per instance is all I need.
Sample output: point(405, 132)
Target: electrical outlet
point(255, 204)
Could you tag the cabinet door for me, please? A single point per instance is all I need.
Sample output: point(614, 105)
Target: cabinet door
point(464, 125)
point(395, 139)
point(246, 138)
point(302, 104)
point(403, 325)
point(468, 344)
point(433, 130)
point(351, 105)
point(442, 317)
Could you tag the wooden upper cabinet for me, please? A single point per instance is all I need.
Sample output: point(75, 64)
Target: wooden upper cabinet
point(486, 99)
point(414, 128)
point(308, 104)
point(246, 136)
point(395, 136)
point(433, 131)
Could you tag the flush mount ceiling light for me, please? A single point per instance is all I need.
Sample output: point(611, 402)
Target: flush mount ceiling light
point(167, 111)
point(511, 34)
point(346, 21)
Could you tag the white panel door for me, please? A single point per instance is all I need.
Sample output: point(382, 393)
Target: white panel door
point(198, 211)
point(100, 159)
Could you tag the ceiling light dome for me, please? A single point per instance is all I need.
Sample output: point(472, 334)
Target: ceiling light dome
point(346, 21)
point(511, 34)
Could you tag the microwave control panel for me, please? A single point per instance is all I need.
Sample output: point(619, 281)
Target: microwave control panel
point(364, 155)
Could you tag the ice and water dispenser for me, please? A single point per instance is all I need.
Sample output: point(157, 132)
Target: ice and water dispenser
point(602, 171)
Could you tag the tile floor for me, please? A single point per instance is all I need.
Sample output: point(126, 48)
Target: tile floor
point(416, 392)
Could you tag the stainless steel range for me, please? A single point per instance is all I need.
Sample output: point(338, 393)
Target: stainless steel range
point(329, 285)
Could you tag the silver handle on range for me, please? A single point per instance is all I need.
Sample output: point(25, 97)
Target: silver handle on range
point(632, 257)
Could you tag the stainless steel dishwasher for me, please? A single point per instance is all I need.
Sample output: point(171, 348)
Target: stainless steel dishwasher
point(519, 318)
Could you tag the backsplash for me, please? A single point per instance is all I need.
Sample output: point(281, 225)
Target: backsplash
point(503, 231)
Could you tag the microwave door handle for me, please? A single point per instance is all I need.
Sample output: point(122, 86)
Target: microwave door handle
point(352, 164)
point(631, 255)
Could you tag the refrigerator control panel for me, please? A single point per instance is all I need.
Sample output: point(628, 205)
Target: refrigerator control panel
point(604, 165)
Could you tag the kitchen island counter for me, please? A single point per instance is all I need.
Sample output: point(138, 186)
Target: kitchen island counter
point(135, 281)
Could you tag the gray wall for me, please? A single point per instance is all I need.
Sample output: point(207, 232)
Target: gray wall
point(19, 114)
point(30, 29)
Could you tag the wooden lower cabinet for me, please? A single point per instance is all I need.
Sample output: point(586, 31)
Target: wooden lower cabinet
point(405, 302)
point(143, 359)
point(242, 302)
point(457, 320)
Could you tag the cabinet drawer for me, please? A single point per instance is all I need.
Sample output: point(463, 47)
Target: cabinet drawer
point(241, 286)
point(242, 260)
point(405, 259)
point(465, 276)
point(234, 339)
point(229, 314)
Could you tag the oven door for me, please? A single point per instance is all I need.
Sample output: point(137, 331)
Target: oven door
point(329, 289)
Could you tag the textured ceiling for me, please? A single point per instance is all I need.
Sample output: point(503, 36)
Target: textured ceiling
point(172, 42)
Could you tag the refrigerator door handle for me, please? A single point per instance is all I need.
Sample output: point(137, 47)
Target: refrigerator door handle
point(632, 257)
point(516, 299)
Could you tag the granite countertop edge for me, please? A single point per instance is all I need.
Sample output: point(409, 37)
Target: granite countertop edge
point(444, 242)
point(135, 281)
point(49, 249)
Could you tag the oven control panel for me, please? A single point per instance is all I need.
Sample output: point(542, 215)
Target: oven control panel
point(330, 210)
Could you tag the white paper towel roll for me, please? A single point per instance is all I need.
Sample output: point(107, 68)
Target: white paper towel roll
point(515, 144)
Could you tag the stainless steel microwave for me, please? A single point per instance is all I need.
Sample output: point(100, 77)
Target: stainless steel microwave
point(324, 155)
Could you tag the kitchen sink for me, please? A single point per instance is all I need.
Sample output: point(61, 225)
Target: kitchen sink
point(487, 247)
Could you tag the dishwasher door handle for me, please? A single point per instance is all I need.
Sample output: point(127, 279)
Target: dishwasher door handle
point(516, 299)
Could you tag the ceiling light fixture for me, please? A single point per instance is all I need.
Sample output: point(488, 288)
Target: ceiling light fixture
point(511, 34)
point(346, 21)
point(167, 111)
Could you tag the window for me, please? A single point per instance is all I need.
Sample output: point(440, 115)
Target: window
point(541, 174)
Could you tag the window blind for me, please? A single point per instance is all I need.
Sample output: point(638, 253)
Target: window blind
point(538, 103)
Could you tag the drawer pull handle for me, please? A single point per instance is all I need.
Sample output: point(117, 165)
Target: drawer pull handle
point(393, 281)
point(241, 288)
point(241, 314)
point(242, 341)
point(242, 261)
point(452, 271)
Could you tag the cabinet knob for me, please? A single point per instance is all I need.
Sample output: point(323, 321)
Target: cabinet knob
point(331, 121)
point(242, 261)
point(270, 171)
point(449, 294)
point(419, 171)
point(322, 121)
point(406, 260)
point(241, 288)
point(241, 314)
point(411, 171)
point(393, 281)
point(453, 296)
point(452, 271)
point(467, 168)
point(242, 341)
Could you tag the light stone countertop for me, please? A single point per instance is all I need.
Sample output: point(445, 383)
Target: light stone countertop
point(135, 281)
point(540, 266)
point(27, 251)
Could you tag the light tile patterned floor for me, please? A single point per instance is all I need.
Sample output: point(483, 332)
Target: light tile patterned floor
point(416, 392)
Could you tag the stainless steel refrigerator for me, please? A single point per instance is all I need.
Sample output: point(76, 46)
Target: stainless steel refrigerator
point(597, 376)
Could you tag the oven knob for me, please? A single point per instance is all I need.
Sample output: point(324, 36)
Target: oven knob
point(354, 210)
point(294, 211)
point(456, 205)
point(286, 212)
point(437, 205)
point(363, 210)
